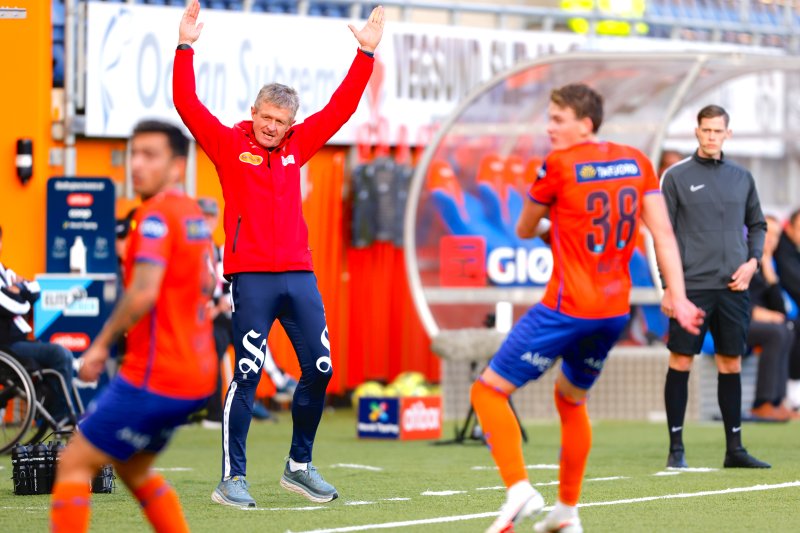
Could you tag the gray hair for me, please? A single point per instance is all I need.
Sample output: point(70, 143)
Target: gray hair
point(279, 95)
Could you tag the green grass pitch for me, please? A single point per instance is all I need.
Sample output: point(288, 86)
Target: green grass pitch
point(415, 483)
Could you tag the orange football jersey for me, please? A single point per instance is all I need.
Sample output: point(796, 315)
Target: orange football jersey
point(595, 193)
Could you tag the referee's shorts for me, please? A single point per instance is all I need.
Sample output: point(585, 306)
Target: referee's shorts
point(727, 317)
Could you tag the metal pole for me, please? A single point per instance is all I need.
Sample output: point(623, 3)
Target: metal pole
point(70, 71)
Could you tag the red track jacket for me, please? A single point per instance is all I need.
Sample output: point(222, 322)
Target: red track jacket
point(264, 226)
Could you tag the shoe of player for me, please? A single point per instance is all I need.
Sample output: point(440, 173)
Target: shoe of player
point(676, 458)
point(523, 501)
point(552, 524)
point(739, 458)
point(233, 492)
point(308, 483)
point(288, 387)
point(260, 412)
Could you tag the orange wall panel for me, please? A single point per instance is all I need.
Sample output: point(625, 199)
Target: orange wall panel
point(26, 64)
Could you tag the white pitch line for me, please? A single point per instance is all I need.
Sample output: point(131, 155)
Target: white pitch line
point(174, 469)
point(310, 508)
point(692, 469)
point(442, 492)
point(527, 467)
point(612, 478)
point(667, 473)
point(358, 467)
point(359, 503)
point(496, 487)
point(753, 488)
point(458, 518)
point(396, 499)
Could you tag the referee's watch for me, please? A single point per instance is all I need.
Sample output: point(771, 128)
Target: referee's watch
point(184, 46)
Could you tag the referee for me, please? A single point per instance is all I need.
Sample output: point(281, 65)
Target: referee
point(710, 200)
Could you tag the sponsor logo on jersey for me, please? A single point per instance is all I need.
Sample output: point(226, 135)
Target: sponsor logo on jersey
point(542, 172)
point(288, 160)
point(607, 170)
point(247, 157)
point(153, 227)
point(197, 229)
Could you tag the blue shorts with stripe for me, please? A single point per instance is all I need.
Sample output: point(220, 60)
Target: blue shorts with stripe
point(126, 420)
point(543, 335)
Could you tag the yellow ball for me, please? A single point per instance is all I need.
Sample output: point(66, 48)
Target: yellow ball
point(409, 378)
point(367, 389)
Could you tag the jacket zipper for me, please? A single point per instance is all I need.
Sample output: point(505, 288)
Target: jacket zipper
point(236, 235)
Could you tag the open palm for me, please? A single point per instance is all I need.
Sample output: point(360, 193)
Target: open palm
point(189, 30)
point(370, 35)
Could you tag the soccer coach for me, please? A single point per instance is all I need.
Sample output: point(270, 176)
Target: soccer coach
point(710, 200)
point(266, 252)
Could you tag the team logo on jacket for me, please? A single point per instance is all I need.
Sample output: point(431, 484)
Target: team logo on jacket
point(287, 160)
point(247, 157)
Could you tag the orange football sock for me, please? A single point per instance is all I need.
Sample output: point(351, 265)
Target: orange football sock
point(160, 504)
point(576, 441)
point(69, 507)
point(501, 430)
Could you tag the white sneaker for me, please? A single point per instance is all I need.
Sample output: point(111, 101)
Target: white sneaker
point(793, 394)
point(552, 524)
point(523, 501)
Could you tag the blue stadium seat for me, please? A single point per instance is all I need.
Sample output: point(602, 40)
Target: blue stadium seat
point(336, 11)
point(235, 5)
point(366, 9)
point(58, 15)
point(176, 3)
point(156, 2)
point(58, 64)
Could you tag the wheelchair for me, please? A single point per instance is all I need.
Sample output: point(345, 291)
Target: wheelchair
point(27, 396)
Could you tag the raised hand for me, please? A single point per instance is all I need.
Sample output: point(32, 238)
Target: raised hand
point(189, 30)
point(370, 35)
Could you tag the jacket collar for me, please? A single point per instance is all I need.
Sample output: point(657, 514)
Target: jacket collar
point(707, 160)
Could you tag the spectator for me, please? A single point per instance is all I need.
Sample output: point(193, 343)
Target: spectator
point(787, 262)
point(770, 331)
point(669, 158)
point(17, 296)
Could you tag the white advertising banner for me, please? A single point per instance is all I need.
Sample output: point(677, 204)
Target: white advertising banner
point(422, 71)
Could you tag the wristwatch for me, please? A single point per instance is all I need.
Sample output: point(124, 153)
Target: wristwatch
point(184, 46)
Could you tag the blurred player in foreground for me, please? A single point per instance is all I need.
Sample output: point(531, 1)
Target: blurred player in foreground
point(170, 367)
point(596, 193)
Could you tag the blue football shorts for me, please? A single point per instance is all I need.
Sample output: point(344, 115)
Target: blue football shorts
point(543, 335)
point(126, 420)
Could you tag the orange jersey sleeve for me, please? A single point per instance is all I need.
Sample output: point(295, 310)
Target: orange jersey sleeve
point(170, 350)
point(595, 193)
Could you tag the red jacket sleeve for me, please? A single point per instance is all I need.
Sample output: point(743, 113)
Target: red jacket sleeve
point(317, 129)
point(205, 127)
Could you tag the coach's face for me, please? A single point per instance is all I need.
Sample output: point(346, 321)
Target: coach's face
point(270, 123)
point(565, 129)
point(153, 165)
point(711, 133)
